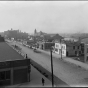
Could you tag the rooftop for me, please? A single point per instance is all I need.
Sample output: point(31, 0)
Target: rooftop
point(71, 43)
point(7, 53)
point(85, 40)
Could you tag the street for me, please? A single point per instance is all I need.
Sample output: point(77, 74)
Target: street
point(71, 74)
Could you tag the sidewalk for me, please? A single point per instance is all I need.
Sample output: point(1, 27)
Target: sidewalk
point(67, 59)
point(35, 80)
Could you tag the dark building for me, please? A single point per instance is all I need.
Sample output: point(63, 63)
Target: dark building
point(1, 39)
point(14, 69)
point(46, 45)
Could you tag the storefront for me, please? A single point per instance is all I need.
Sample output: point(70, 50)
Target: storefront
point(14, 72)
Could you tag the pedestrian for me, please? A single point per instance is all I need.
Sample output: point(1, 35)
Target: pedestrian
point(43, 81)
point(26, 56)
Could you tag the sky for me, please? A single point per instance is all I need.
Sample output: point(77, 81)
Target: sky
point(46, 16)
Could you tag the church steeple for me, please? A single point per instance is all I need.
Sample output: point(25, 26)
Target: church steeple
point(35, 32)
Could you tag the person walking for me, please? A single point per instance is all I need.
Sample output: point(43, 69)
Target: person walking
point(43, 81)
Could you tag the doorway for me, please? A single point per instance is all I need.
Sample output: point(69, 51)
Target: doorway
point(67, 53)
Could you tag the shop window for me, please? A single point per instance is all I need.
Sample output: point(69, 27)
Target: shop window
point(7, 74)
point(2, 75)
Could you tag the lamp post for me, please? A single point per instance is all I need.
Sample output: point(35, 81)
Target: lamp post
point(52, 68)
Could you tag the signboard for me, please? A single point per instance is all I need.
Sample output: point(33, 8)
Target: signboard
point(16, 63)
point(6, 64)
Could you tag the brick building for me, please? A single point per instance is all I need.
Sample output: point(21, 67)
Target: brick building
point(73, 49)
point(14, 69)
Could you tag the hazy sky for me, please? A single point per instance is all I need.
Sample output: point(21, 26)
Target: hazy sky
point(47, 16)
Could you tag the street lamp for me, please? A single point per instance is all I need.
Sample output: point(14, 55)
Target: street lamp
point(52, 67)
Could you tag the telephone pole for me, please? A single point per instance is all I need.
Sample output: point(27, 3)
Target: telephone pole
point(52, 68)
point(61, 47)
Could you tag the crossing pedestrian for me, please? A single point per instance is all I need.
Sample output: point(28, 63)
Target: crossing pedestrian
point(43, 81)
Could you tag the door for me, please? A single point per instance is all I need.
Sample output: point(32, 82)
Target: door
point(20, 76)
point(66, 53)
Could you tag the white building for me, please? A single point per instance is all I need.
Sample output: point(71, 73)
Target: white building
point(59, 47)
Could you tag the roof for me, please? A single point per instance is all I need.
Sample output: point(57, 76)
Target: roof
point(8, 53)
point(85, 40)
point(71, 43)
point(72, 39)
point(57, 36)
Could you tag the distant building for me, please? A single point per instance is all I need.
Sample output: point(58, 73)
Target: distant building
point(85, 48)
point(85, 52)
point(68, 48)
point(1, 39)
point(39, 33)
point(59, 47)
point(35, 32)
point(70, 39)
point(46, 45)
point(73, 49)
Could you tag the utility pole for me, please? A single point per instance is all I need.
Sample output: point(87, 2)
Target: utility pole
point(61, 48)
point(52, 68)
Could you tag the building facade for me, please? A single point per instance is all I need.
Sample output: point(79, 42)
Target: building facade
point(46, 45)
point(68, 48)
point(60, 48)
point(14, 72)
point(73, 49)
point(14, 69)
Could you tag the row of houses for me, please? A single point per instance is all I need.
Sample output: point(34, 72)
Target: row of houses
point(67, 48)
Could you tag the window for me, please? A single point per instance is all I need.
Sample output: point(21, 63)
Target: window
point(82, 51)
point(7, 74)
point(75, 52)
point(73, 47)
point(62, 47)
point(87, 58)
point(56, 50)
point(62, 52)
point(56, 45)
point(78, 47)
point(87, 50)
point(79, 52)
point(4, 75)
